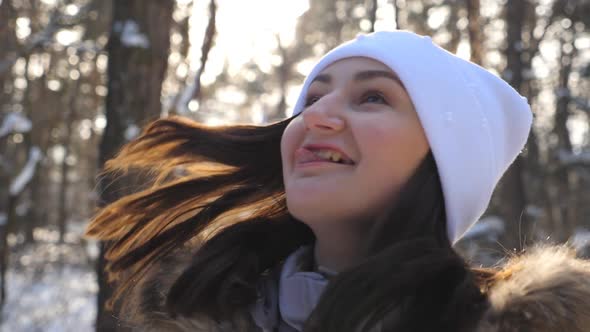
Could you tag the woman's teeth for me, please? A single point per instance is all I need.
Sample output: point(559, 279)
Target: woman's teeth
point(329, 155)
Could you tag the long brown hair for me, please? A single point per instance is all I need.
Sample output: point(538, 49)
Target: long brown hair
point(412, 280)
point(220, 190)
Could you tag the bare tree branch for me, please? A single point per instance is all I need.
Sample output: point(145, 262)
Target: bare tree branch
point(206, 47)
point(373, 14)
point(397, 16)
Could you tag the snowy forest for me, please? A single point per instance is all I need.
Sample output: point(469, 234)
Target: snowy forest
point(79, 78)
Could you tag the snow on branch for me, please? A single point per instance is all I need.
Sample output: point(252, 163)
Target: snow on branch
point(582, 103)
point(14, 123)
point(490, 227)
point(580, 239)
point(568, 158)
point(130, 35)
point(132, 132)
point(185, 98)
point(19, 183)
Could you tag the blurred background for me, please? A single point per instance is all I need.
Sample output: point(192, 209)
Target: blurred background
point(79, 78)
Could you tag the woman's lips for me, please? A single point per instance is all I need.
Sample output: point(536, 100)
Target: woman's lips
point(304, 156)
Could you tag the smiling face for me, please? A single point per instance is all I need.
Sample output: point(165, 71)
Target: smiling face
point(353, 147)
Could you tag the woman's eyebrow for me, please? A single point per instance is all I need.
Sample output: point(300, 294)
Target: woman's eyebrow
point(370, 74)
point(362, 76)
point(324, 78)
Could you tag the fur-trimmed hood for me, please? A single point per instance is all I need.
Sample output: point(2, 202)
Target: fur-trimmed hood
point(546, 289)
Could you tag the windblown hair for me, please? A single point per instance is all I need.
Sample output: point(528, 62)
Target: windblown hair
point(413, 280)
point(218, 192)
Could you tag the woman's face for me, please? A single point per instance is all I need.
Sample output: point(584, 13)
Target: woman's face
point(353, 147)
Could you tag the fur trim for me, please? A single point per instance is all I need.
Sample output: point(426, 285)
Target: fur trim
point(546, 289)
point(143, 308)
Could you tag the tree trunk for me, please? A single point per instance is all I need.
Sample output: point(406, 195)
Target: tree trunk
point(31, 221)
point(373, 14)
point(7, 52)
point(453, 44)
point(538, 180)
point(511, 188)
point(66, 143)
point(564, 224)
point(7, 35)
point(475, 32)
point(136, 69)
point(8, 227)
point(4, 248)
point(8, 42)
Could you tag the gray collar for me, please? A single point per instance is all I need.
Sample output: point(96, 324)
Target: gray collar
point(287, 297)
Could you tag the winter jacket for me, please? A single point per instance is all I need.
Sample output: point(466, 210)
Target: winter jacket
point(547, 289)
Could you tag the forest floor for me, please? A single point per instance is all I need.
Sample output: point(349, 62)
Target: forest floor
point(51, 286)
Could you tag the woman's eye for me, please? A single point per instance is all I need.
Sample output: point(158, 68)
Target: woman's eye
point(311, 100)
point(373, 98)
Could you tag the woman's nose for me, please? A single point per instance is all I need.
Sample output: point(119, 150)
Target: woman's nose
point(324, 115)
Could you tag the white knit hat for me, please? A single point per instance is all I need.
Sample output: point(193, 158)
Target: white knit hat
point(476, 124)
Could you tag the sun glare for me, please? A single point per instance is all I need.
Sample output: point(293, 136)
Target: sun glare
point(246, 31)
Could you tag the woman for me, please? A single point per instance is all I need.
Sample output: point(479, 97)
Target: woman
point(341, 218)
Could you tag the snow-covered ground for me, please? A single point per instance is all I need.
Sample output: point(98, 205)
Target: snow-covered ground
point(51, 287)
